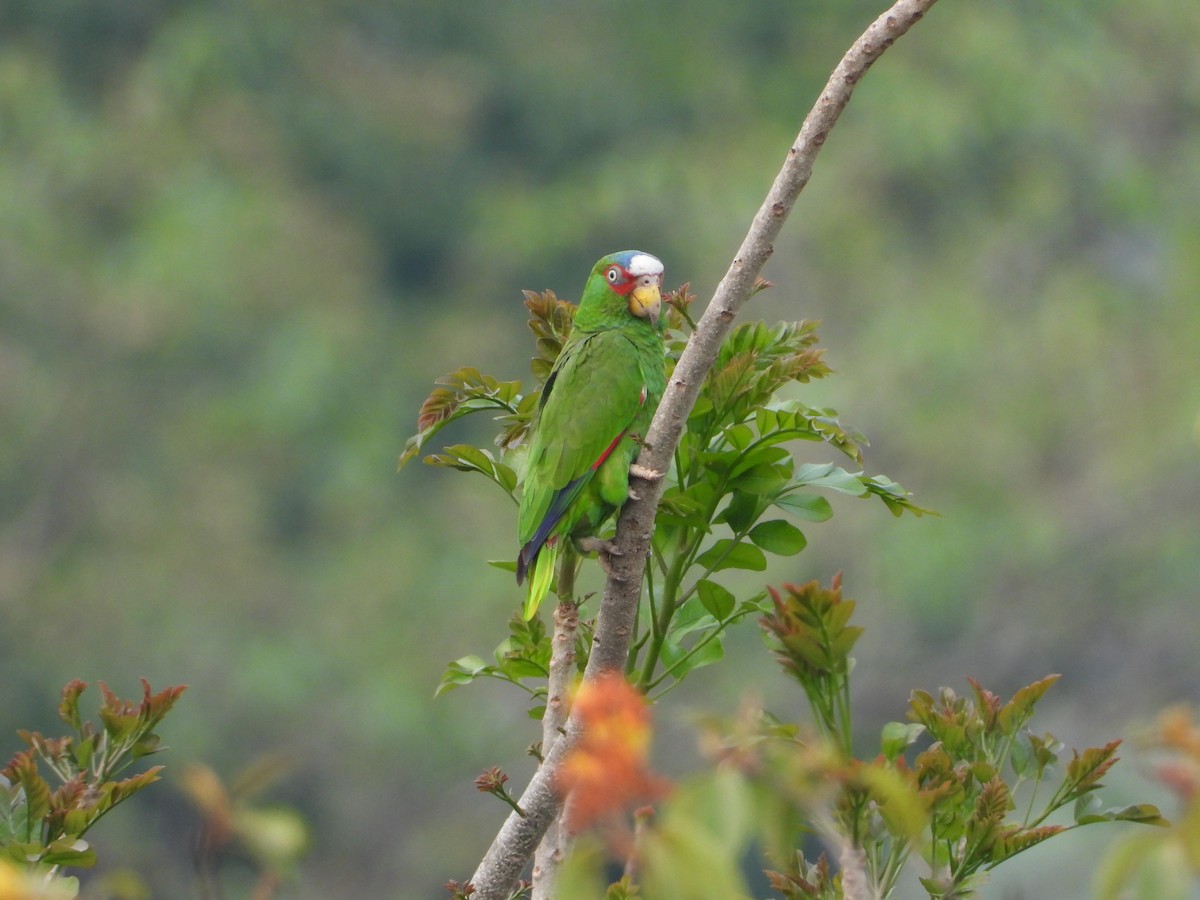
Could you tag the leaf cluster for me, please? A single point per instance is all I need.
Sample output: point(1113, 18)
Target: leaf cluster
point(521, 659)
point(810, 625)
point(43, 825)
point(984, 762)
point(467, 390)
point(735, 491)
point(834, 825)
point(876, 807)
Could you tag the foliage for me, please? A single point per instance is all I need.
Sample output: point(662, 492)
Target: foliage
point(1162, 865)
point(950, 804)
point(943, 788)
point(42, 826)
point(977, 741)
point(522, 659)
point(237, 826)
point(731, 478)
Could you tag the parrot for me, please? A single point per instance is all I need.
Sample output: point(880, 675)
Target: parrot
point(594, 410)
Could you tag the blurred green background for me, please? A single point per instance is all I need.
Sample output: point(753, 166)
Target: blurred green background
point(238, 241)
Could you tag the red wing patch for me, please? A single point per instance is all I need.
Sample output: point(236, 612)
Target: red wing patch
point(613, 446)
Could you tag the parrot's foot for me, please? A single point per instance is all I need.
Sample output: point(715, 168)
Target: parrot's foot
point(606, 552)
point(598, 545)
point(644, 473)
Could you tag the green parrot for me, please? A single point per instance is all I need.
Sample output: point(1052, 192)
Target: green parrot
point(595, 407)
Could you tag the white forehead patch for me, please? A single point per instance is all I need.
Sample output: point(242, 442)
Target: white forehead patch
point(644, 264)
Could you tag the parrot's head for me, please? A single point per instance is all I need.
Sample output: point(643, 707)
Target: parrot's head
point(629, 283)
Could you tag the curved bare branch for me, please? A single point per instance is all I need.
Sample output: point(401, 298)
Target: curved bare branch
point(517, 839)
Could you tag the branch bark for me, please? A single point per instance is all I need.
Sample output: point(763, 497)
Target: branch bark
point(517, 839)
point(553, 848)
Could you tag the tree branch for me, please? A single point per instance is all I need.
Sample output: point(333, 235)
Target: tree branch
point(501, 867)
point(553, 848)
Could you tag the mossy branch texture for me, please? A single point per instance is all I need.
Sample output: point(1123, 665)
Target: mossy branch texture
point(517, 839)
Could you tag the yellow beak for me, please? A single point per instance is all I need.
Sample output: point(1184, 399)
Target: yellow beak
point(644, 302)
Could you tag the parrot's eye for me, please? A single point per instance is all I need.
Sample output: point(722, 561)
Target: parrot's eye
point(613, 274)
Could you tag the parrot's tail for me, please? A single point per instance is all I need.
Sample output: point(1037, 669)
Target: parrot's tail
point(541, 576)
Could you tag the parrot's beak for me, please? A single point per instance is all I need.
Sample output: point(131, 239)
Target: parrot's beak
point(645, 301)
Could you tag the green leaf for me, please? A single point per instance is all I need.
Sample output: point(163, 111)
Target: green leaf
point(760, 603)
point(1020, 755)
point(685, 855)
point(778, 536)
point(506, 476)
point(702, 408)
point(1044, 751)
point(991, 805)
point(897, 800)
point(894, 496)
point(517, 667)
point(581, 873)
point(70, 851)
point(23, 771)
point(147, 746)
point(764, 454)
point(1087, 768)
point(694, 502)
point(806, 505)
point(827, 475)
point(766, 420)
point(692, 616)
point(844, 642)
point(462, 671)
point(462, 392)
point(1017, 711)
point(727, 554)
point(1014, 839)
point(671, 652)
point(897, 736)
point(1143, 813)
point(739, 436)
point(12, 818)
point(805, 647)
point(710, 651)
point(68, 708)
point(23, 852)
point(466, 458)
point(767, 479)
point(1086, 806)
point(716, 599)
point(114, 792)
point(679, 508)
point(742, 511)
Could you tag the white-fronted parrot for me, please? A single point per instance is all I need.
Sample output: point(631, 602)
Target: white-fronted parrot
point(595, 407)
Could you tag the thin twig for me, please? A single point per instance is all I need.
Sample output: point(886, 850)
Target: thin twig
point(505, 860)
point(553, 848)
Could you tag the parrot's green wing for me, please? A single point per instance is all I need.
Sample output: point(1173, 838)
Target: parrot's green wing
point(592, 397)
